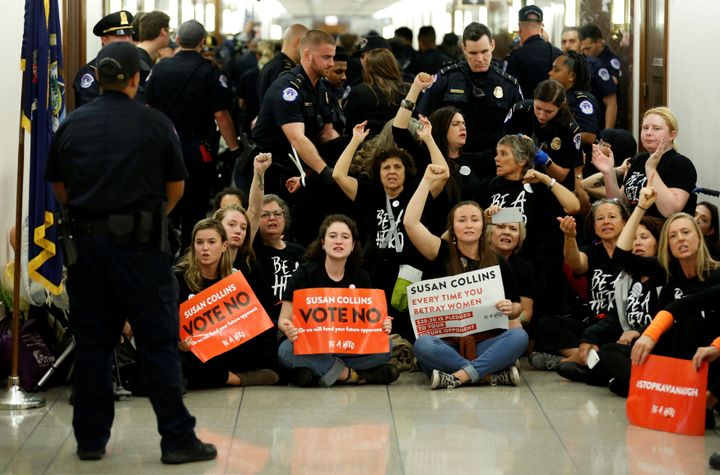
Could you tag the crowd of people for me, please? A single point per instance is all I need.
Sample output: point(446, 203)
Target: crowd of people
point(390, 164)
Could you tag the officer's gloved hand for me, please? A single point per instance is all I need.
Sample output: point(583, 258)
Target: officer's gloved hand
point(407, 275)
point(541, 158)
point(326, 176)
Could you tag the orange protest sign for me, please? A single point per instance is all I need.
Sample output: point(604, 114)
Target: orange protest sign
point(347, 321)
point(667, 394)
point(222, 317)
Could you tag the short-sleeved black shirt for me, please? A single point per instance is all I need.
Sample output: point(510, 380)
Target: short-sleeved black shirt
point(292, 98)
point(204, 92)
point(531, 63)
point(602, 273)
point(369, 103)
point(483, 98)
point(561, 140)
point(313, 275)
point(114, 156)
point(271, 71)
point(85, 84)
point(676, 171)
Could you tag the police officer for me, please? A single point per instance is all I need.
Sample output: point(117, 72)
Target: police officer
point(284, 60)
point(336, 79)
point(296, 113)
point(483, 93)
point(602, 85)
point(593, 45)
point(113, 27)
point(118, 167)
point(531, 62)
point(194, 93)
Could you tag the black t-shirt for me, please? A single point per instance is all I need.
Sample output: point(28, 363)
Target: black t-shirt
point(602, 273)
point(114, 156)
point(312, 275)
point(185, 291)
point(642, 304)
point(277, 265)
point(204, 92)
point(561, 140)
point(523, 275)
point(676, 171)
point(438, 268)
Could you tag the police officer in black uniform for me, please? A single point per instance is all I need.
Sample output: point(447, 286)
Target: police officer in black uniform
point(194, 93)
point(117, 165)
point(297, 113)
point(284, 60)
point(483, 93)
point(608, 67)
point(113, 27)
point(531, 62)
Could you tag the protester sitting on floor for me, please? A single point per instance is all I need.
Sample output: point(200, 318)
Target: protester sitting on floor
point(636, 302)
point(482, 357)
point(333, 261)
point(207, 262)
point(558, 336)
point(228, 196)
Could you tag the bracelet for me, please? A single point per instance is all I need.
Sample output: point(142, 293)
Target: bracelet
point(406, 104)
point(552, 183)
point(644, 209)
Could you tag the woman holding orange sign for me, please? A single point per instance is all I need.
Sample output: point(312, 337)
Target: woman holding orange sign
point(333, 261)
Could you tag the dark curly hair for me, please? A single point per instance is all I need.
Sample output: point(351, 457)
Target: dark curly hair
point(315, 251)
point(402, 155)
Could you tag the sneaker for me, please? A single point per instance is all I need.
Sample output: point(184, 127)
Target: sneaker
point(544, 361)
point(301, 377)
point(85, 454)
point(258, 377)
point(715, 460)
point(510, 376)
point(383, 374)
point(574, 372)
point(441, 380)
point(197, 452)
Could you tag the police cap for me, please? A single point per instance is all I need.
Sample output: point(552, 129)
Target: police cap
point(118, 61)
point(118, 23)
point(530, 13)
point(371, 42)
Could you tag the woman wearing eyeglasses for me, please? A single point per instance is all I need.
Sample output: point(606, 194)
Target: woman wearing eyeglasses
point(675, 174)
point(277, 259)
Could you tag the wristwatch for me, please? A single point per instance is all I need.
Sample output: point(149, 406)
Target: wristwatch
point(409, 105)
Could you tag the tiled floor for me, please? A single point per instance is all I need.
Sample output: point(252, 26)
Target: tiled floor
point(544, 426)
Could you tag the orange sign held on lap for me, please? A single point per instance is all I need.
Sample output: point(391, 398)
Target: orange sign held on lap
point(222, 317)
point(347, 321)
point(667, 394)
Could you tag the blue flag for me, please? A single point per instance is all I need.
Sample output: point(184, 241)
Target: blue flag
point(43, 107)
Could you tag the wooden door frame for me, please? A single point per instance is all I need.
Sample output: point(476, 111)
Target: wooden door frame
point(74, 45)
point(643, 106)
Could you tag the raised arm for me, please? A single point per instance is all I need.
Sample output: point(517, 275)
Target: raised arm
point(565, 197)
point(257, 191)
point(402, 118)
point(668, 200)
point(606, 165)
point(577, 260)
point(348, 184)
point(426, 242)
point(645, 201)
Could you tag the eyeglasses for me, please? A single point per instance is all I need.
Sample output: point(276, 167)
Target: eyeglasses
point(277, 214)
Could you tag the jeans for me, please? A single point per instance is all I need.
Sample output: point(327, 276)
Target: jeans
point(328, 366)
point(494, 354)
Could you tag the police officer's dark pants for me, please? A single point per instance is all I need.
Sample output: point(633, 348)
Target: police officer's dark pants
point(193, 206)
point(108, 285)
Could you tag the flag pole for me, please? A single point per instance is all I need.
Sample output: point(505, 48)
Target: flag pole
point(14, 398)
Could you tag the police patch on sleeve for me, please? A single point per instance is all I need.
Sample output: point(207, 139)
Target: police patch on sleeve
point(615, 63)
point(86, 80)
point(577, 140)
point(289, 94)
point(586, 107)
point(223, 81)
point(604, 74)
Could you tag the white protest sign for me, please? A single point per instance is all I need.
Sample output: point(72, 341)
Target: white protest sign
point(457, 305)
